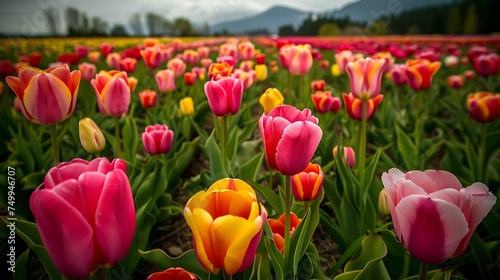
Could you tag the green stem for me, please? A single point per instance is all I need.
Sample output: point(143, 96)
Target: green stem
point(422, 274)
point(362, 149)
point(168, 101)
point(288, 202)
point(117, 137)
point(101, 274)
point(482, 156)
point(55, 147)
point(227, 276)
point(97, 155)
point(224, 142)
point(417, 128)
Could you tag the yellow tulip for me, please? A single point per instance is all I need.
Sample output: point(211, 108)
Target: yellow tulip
point(270, 99)
point(261, 72)
point(91, 136)
point(187, 106)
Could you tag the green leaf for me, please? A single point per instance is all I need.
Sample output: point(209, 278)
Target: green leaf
point(179, 163)
point(153, 187)
point(130, 140)
point(333, 229)
point(214, 156)
point(353, 248)
point(188, 261)
point(438, 274)
point(22, 266)
point(29, 234)
point(250, 169)
point(407, 149)
point(270, 196)
point(232, 144)
point(33, 180)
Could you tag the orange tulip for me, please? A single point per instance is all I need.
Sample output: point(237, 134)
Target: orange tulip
point(307, 184)
point(278, 229)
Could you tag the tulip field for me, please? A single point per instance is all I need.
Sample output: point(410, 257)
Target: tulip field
point(250, 158)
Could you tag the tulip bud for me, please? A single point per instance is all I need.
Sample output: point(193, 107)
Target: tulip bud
point(187, 106)
point(261, 72)
point(349, 156)
point(318, 85)
point(336, 70)
point(148, 98)
point(383, 203)
point(307, 184)
point(91, 136)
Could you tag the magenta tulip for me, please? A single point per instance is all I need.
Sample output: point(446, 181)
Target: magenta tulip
point(433, 215)
point(290, 138)
point(157, 139)
point(85, 215)
point(224, 95)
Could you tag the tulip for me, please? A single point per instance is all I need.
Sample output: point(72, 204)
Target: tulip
point(451, 61)
point(286, 53)
point(81, 51)
point(226, 222)
point(47, 97)
point(224, 95)
point(113, 60)
point(128, 64)
point(433, 215)
point(384, 207)
point(270, 99)
point(187, 106)
point(94, 56)
point(148, 98)
point(349, 155)
point(176, 65)
point(420, 73)
point(246, 78)
point(190, 56)
point(342, 59)
point(203, 52)
point(318, 85)
point(475, 51)
point(6, 67)
point(151, 42)
point(88, 70)
point(246, 65)
point(205, 62)
point(176, 273)
point(34, 59)
point(430, 55)
point(227, 59)
point(189, 78)
point(307, 184)
point(398, 74)
point(335, 70)
point(365, 75)
point(301, 61)
point(354, 106)
point(69, 58)
point(165, 79)
point(387, 57)
point(246, 50)
point(286, 130)
point(113, 90)
point(487, 64)
point(261, 72)
point(85, 215)
point(278, 229)
point(199, 72)
point(222, 69)
point(106, 48)
point(455, 81)
point(260, 58)
point(324, 102)
point(484, 106)
point(157, 139)
point(469, 74)
point(228, 49)
point(91, 136)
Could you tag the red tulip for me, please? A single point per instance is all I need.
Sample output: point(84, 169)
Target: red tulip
point(6, 68)
point(128, 64)
point(113, 90)
point(318, 85)
point(47, 97)
point(148, 98)
point(85, 214)
point(157, 139)
point(307, 184)
point(455, 81)
point(286, 130)
point(70, 58)
point(484, 106)
point(224, 95)
point(324, 102)
point(433, 215)
point(354, 106)
point(420, 73)
point(176, 273)
point(106, 48)
point(278, 229)
point(189, 78)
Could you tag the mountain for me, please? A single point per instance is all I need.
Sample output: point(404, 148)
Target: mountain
point(369, 10)
point(269, 20)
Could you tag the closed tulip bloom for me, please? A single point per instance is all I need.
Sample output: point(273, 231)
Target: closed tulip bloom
point(81, 51)
point(318, 85)
point(113, 90)
point(286, 53)
point(354, 106)
point(324, 102)
point(69, 58)
point(349, 155)
point(94, 56)
point(270, 99)
point(342, 59)
point(205, 62)
point(228, 49)
point(113, 60)
point(177, 65)
point(286, 130)
point(455, 81)
point(189, 78)
point(387, 57)
point(301, 61)
point(199, 72)
point(203, 52)
point(484, 106)
point(91, 136)
point(148, 98)
point(190, 56)
point(383, 203)
point(246, 65)
point(487, 64)
point(106, 49)
point(47, 97)
point(226, 222)
point(224, 95)
point(187, 106)
point(88, 70)
point(165, 79)
point(433, 215)
point(335, 70)
point(85, 214)
point(172, 273)
point(451, 61)
point(260, 58)
point(307, 184)
point(420, 73)
point(157, 139)
point(324, 64)
point(398, 74)
point(127, 64)
point(246, 50)
point(365, 75)
point(261, 72)
point(6, 68)
point(469, 74)
point(278, 229)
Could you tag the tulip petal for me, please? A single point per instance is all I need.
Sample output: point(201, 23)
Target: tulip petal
point(217, 99)
point(65, 171)
point(61, 72)
point(443, 179)
point(431, 229)
point(115, 97)
point(59, 224)
point(27, 73)
point(200, 223)
point(297, 146)
point(271, 130)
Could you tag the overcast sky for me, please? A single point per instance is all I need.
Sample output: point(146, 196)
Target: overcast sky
point(26, 16)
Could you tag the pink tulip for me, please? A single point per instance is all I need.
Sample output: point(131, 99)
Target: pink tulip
point(365, 75)
point(177, 65)
point(433, 215)
point(88, 70)
point(47, 97)
point(342, 59)
point(157, 139)
point(290, 138)
point(301, 61)
point(165, 80)
point(113, 60)
point(229, 49)
point(455, 81)
point(224, 95)
point(85, 215)
point(398, 74)
point(113, 90)
point(246, 50)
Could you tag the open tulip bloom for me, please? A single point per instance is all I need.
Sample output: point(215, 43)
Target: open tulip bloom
point(433, 215)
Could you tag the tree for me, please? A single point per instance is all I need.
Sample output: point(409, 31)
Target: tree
point(182, 27)
point(118, 30)
point(73, 21)
point(286, 30)
point(453, 26)
point(136, 24)
point(157, 25)
point(329, 29)
point(470, 23)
